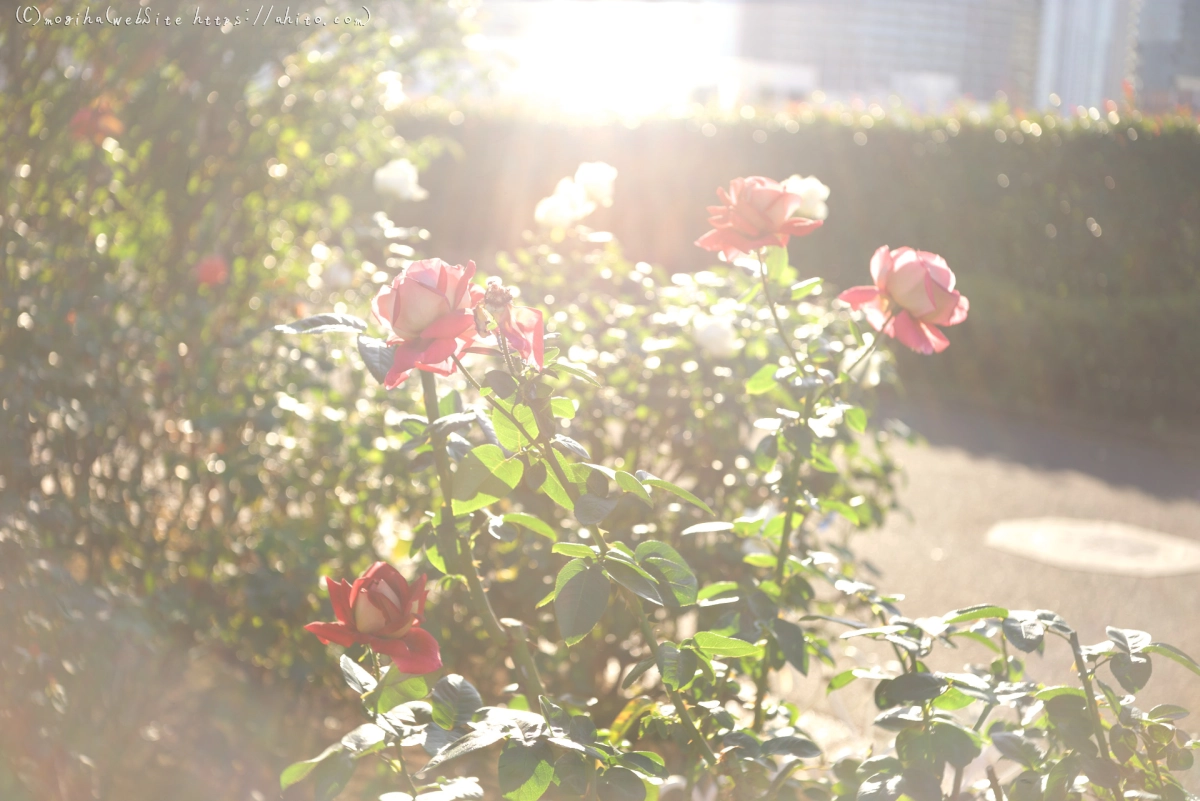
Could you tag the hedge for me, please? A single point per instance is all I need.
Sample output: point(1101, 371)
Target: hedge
point(1076, 239)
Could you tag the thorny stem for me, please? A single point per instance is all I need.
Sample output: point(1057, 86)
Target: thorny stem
point(995, 780)
point(766, 285)
point(635, 606)
point(547, 450)
point(761, 682)
point(1089, 695)
point(463, 562)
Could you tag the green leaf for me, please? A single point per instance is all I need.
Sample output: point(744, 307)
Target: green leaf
point(718, 645)
point(856, 418)
point(629, 483)
point(673, 574)
point(557, 718)
point(1053, 692)
point(332, 775)
point(507, 432)
point(651, 481)
point(534, 524)
point(396, 688)
point(377, 355)
point(1017, 748)
point(324, 324)
point(805, 288)
point(503, 384)
point(590, 510)
point(621, 784)
point(356, 677)
point(638, 670)
point(562, 407)
point(633, 579)
point(630, 713)
point(578, 371)
point(1174, 654)
point(706, 528)
point(525, 772)
point(365, 739)
point(574, 550)
point(484, 477)
point(909, 688)
point(1132, 672)
point(552, 487)
point(791, 641)
point(467, 744)
point(454, 701)
point(715, 589)
point(1168, 712)
point(574, 772)
point(791, 745)
point(647, 764)
point(676, 666)
point(977, 612)
point(1025, 633)
point(956, 745)
point(580, 600)
point(763, 380)
point(299, 771)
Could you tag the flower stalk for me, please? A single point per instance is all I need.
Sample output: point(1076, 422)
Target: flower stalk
point(456, 552)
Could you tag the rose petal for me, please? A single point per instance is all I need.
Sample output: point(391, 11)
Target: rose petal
point(333, 632)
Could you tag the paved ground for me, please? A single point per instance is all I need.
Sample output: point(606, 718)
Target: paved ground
point(976, 469)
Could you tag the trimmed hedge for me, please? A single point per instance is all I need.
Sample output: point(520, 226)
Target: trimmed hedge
point(1076, 239)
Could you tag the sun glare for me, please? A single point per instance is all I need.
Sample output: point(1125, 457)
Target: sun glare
point(607, 56)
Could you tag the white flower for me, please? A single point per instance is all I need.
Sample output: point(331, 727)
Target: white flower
point(399, 178)
point(814, 193)
point(596, 178)
point(568, 205)
point(716, 336)
point(393, 90)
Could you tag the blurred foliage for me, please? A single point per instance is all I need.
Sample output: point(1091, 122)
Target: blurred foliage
point(1094, 216)
point(165, 193)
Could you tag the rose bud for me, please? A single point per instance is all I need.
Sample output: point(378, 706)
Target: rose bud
point(427, 313)
point(521, 326)
point(913, 294)
point(382, 611)
point(755, 212)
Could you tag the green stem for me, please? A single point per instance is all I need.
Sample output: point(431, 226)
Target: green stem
point(635, 606)
point(458, 558)
point(1090, 695)
point(766, 286)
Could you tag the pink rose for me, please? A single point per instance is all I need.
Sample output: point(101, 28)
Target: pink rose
point(382, 611)
point(913, 294)
point(757, 212)
point(427, 313)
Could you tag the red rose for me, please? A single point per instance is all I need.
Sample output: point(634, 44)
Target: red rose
point(756, 212)
point(212, 270)
point(913, 294)
point(380, 610)
point(96, 122)
point(427, 312)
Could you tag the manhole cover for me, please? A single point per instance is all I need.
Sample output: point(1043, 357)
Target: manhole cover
point(1096, 546)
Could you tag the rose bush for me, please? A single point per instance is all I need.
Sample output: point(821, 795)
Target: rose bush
point(763, 589)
